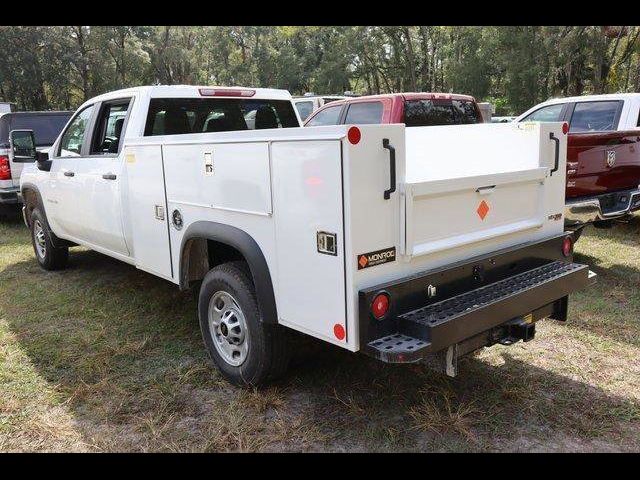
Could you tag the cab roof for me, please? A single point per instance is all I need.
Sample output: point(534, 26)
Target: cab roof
point(193, 91)
point(407, 96)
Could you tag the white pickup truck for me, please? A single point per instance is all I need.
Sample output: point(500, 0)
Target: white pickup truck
point(409, 245)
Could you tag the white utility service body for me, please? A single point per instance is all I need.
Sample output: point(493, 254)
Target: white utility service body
point(332, 217)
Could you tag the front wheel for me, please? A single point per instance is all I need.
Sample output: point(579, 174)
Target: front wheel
point(49, 256)
point(246, 350)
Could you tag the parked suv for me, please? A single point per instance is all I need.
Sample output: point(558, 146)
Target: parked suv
point(46, 127)
point(603, 155)
point(412, 109)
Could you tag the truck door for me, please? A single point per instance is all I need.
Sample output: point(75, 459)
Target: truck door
point(147, 208)
point(99, 179)
point(65, 196)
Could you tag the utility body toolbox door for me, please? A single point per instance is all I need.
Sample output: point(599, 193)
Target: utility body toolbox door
point(309, 237)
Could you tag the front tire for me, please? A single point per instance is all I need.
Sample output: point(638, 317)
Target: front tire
point(48, 256)
point(247, 351)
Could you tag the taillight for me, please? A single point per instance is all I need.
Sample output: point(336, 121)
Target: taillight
point(5, 168)
point(567, 246)
point(226, 92)
point(380, 306)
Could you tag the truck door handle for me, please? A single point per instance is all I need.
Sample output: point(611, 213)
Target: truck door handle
point(557, 160)
point(109, 176)
point(69, 173)
point(392, 168)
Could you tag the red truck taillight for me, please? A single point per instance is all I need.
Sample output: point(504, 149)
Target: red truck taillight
point(5, 168)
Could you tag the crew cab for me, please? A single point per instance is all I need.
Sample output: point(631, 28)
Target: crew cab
point(603, 156)
point(412, 109)
point(379, 239)
point(46, 126)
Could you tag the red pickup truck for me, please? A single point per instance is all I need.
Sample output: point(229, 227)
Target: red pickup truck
point(603, 155)
point(412, 109)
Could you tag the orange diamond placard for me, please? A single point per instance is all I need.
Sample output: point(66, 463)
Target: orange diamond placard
point(482, 209)
point(363, 261)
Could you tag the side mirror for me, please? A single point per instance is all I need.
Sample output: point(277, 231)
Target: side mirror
point(22, 144)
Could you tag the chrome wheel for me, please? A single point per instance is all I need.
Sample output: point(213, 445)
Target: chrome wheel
point(228, 328)
point(39, 240)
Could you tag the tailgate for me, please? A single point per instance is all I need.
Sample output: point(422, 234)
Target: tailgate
point(494, 184)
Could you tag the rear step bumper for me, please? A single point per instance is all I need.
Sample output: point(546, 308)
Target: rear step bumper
point(602, 207)
point(504, 310)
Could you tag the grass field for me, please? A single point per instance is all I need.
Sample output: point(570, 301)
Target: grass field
point(103, 357)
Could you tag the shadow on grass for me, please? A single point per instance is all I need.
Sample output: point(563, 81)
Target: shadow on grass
point(510, 406)
point(123, 348)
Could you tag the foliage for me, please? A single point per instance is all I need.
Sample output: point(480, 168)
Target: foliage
point(60, 67)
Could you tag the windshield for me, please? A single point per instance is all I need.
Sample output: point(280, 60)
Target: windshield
point(421, 113)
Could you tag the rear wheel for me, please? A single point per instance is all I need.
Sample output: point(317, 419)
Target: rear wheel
point(49, 257)
point(246, 350)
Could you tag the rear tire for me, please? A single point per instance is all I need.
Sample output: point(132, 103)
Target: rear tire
point(48, 256)
point(247, 351)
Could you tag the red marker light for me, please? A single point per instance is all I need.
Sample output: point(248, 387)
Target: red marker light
point(354, 135)
point(567, 246)
point(5, 168)
point(380, 306)
point(565, 128)
point(338, 331)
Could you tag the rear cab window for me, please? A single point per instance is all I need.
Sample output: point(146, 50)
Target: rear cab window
point(180, 116)
point(364, 113)
point(598, 116)
point(328, 116)
point(46, 126)
point(427, 112)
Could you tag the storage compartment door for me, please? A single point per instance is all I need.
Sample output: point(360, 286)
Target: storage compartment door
point(310, 286)
point(148, 209)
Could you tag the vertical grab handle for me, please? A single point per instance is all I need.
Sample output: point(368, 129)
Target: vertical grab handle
point(392, 168)
point(557, 161)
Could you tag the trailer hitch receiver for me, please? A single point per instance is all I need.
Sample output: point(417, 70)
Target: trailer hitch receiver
point(518, 329)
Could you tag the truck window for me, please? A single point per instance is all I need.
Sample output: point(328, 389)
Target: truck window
point(46, 127)
point(550, 113)
point(304, 109)
point(423, 113)
point(108, 131)
point(594, 116)
point(364, 113)
point(71, 142)
point(329, 116)
point(179, 116)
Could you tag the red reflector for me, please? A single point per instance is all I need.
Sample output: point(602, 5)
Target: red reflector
point(5, 168)
point(567, 246)
point(565, 128)
point(338, 331)
point(380, 305)
point(354, 135)
point(226, 92)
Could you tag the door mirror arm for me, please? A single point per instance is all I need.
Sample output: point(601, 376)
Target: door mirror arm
point(42, 161)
